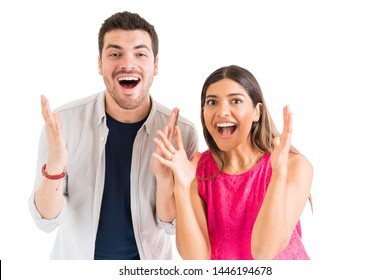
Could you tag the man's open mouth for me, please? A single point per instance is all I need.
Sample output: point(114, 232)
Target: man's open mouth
point(129, 82)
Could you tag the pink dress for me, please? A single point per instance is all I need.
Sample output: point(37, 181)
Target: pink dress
point(232, 204)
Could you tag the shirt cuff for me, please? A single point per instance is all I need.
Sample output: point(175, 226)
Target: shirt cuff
point(169, 227)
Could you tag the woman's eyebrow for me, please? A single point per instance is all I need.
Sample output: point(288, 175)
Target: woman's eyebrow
point(230, 95)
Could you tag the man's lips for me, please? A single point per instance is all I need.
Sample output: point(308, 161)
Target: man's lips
point(127, 79)
point(129, 82)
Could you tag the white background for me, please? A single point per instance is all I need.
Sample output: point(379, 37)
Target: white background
point(329, 60)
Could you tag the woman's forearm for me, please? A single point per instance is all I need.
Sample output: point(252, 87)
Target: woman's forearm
point(190, 240)
point(270, 232)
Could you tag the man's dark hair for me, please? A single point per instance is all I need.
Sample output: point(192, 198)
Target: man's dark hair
point(127, 21)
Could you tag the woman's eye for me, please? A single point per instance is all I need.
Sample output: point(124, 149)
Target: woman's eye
point(236, 101)
point(210, 102)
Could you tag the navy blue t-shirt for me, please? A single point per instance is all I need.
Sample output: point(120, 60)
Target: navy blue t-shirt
point(115, 236)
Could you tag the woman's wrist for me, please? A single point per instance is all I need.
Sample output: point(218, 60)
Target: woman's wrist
point(181, 189)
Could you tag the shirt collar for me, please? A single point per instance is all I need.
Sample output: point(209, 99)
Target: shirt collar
point(150, 119)
point(102, 112)
point(101, 108)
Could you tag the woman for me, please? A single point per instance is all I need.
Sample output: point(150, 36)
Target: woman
point(243, 197)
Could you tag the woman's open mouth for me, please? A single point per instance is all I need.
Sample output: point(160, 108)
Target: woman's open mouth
point(226, 129)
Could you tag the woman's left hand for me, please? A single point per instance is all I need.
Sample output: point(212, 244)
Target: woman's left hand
point(282, 144)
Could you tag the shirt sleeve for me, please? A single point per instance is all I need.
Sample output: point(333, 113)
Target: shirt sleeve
point(169, 227)
point(44, 224)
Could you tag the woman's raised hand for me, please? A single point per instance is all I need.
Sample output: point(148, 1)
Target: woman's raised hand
point(176, 159)
point(282, 144)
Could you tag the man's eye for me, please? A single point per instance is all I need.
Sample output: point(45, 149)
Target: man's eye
point(114, 54)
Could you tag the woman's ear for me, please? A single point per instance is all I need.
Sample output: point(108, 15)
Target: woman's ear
point(257, 112)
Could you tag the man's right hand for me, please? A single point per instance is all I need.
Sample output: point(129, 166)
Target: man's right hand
point(57, 152)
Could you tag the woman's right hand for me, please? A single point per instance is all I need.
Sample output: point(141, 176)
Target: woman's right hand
point(57, 152)
point(183, 169)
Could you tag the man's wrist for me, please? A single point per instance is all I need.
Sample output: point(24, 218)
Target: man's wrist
point(54, 168)
point(53, 174)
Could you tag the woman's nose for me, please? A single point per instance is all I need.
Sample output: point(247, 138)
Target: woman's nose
point(223, 110)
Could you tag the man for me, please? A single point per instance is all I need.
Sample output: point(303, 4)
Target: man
point(94, 179)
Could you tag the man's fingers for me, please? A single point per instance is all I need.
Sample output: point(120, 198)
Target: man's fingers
point(44, 106)
point(51, 120)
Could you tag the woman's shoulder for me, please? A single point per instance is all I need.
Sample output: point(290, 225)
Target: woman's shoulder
point(205, 159)
point(297, 160)
point(206, 165)
point(300, 170)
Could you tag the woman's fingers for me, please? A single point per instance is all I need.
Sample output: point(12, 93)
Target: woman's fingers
point(285, 138)
point(162, 147)
point(287, 118)
point(167, 144)
point(179, 140)
point(164, 161)
point(276, 142)
point(171, 123)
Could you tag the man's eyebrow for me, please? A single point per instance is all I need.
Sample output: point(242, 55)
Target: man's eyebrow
point(114, 46)
point(141, 46)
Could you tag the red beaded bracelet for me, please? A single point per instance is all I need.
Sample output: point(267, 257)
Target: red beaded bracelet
point(52, 177)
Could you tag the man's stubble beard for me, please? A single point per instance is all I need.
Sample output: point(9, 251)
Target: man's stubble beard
point(128, 103)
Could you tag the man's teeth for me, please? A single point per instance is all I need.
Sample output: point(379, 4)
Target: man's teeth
point(225, 124)
point(129, 79)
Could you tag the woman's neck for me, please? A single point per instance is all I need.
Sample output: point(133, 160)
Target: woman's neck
point(239, 161)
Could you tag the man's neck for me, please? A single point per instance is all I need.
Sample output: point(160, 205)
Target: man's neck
point(128, 115)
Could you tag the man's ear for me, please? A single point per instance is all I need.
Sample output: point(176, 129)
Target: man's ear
point(100, 65)
point(156, 66)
